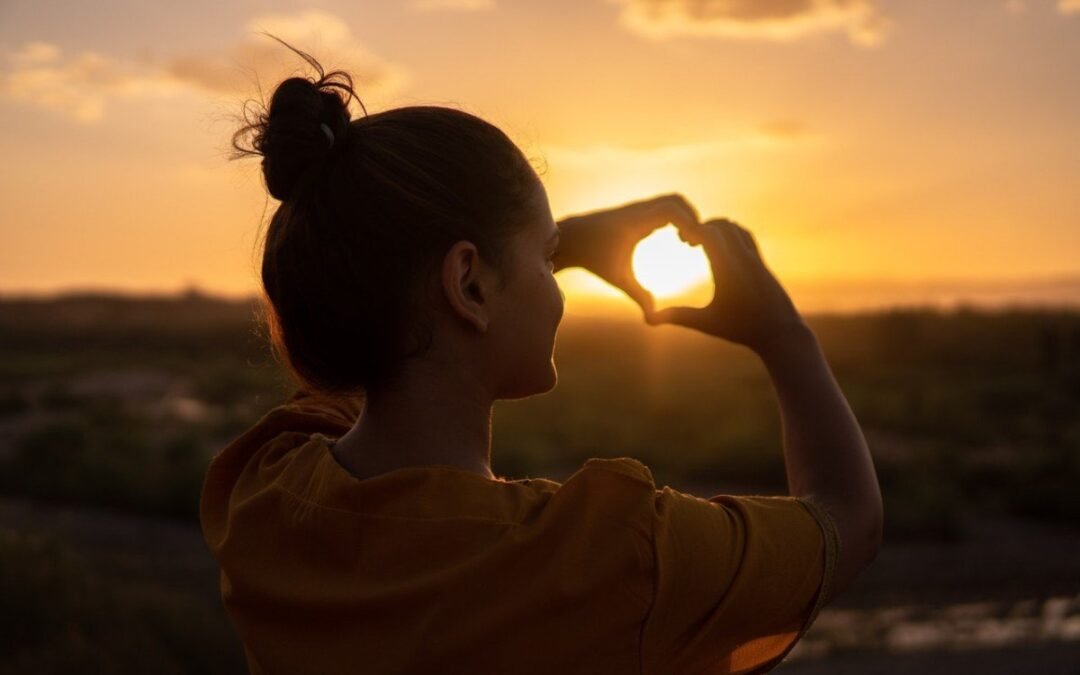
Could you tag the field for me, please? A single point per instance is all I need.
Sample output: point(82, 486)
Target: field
point(111, 407)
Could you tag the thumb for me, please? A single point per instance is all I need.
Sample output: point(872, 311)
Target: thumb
point(680, 316)
point(641, 296)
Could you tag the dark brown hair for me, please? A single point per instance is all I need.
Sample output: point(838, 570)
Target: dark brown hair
point(365, 218)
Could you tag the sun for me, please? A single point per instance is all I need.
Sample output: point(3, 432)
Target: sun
point(666, 266)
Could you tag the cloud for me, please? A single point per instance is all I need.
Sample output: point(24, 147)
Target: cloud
point(37, 52)
point(776, 20)
point(80, 86)
point(783, 130)
point(77, 86)
point(1016, 6)
point(451, 5)
point(1069, 6)
point(767, 135)
point(602, 155)
point(326, 36)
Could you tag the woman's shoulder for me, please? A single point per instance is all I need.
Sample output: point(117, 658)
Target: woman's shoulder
point(608, 490)
point(620, 466)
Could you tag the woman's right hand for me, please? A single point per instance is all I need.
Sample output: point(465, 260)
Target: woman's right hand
point(749, 306)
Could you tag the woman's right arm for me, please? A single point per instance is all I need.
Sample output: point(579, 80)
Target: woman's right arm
point(825, 454)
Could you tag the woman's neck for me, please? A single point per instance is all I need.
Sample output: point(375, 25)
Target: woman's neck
point(425, 418)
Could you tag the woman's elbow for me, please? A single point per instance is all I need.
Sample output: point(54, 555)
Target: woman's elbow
point(860, 529)
point(873, 534)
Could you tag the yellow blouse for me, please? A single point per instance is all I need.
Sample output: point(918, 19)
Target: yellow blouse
point(436, 569)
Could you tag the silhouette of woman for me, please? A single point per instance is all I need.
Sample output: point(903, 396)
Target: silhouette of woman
point(409, 282)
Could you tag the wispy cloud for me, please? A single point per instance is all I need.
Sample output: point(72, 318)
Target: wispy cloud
point(784, 130)
point(76, 86)
point(778, 20)
point(81, 86)
point(451, 5)
point(769, 134)
point(326, 36)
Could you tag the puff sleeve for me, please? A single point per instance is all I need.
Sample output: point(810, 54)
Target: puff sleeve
point(737, 580)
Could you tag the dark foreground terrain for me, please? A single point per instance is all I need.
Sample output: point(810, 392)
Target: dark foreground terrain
point(110, 408)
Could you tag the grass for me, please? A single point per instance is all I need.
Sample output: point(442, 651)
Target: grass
point(62, 615)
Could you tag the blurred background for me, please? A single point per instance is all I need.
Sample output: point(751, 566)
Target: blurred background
point(910, 171)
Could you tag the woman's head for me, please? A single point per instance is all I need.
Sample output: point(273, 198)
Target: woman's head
point(401, 234)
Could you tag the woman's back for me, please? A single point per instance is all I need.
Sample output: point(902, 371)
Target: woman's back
point(438, 569)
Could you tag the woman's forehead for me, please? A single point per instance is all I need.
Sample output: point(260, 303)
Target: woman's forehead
point(540, 219)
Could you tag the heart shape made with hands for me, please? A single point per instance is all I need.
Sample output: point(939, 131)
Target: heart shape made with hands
point(672, 270)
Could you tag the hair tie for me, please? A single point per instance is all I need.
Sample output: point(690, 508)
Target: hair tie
point(329, 133)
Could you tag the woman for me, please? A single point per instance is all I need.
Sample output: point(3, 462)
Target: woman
point(409, 273)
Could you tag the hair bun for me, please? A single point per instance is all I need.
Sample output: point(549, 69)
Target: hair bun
point(292, 139)
point(289, 133)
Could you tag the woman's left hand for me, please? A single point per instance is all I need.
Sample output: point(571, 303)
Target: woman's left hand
point(603, 241)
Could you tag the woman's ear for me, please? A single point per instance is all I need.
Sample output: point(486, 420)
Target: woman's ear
point(466, 285)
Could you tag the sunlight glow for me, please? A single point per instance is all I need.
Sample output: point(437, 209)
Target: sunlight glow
point(667, 266)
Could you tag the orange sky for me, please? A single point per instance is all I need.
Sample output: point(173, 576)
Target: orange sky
point(880, 151)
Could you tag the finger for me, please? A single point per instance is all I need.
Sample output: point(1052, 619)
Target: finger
point(739, 240)
point(683, 215)
point(652, 214)
point(748, 238)
point(723, 246)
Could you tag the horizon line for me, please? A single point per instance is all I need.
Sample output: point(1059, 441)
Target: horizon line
point(194, 288)
point(1060, 291)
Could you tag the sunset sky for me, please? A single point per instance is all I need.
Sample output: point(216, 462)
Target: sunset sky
point(879, 151)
